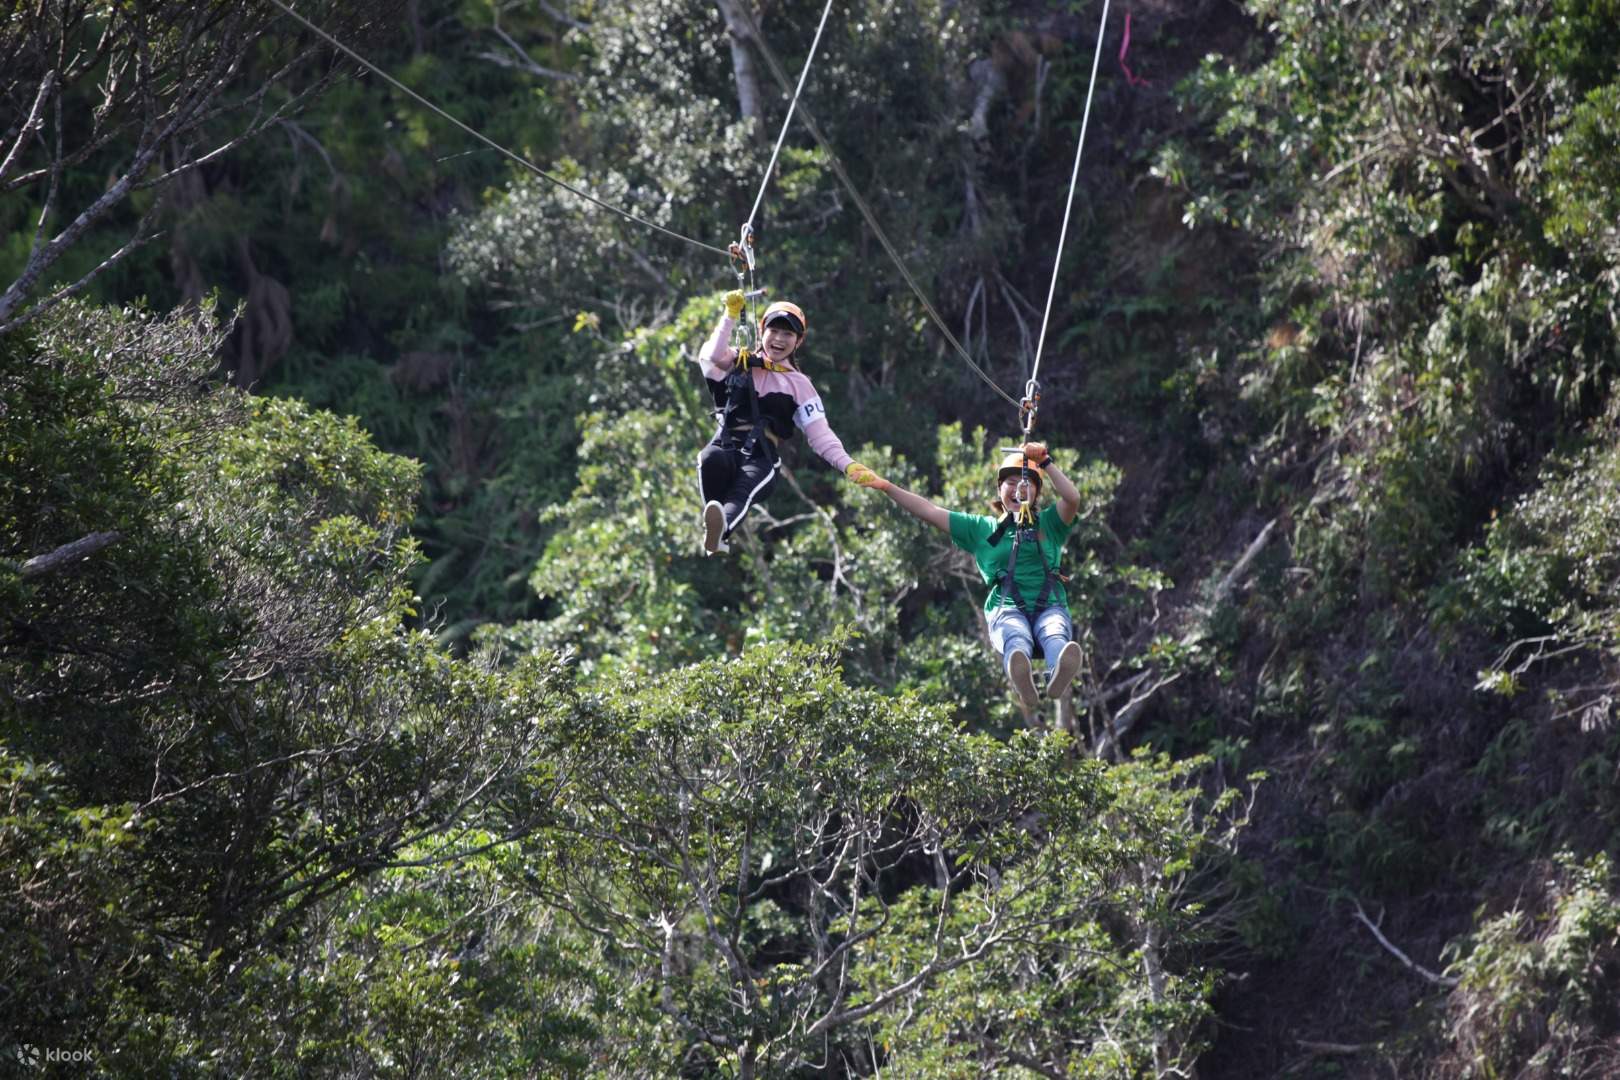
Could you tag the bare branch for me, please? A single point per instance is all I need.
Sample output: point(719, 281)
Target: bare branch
point(139, 240)
point(918, 979)
point(162, 71)
point(571, 23)
point(1241, 568)
point(529, 67)
point(78, 550)
point(53, 183)
point(257, 126)
point(32, 124)
point(522, 61)
point(1335, 1048)
point(1447, 981)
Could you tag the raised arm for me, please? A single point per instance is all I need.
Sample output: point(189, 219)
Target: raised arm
point(716, 356)
point(1068, 495)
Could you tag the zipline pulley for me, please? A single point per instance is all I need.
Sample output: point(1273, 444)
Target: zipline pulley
point(742, 250)
point(1028, 407)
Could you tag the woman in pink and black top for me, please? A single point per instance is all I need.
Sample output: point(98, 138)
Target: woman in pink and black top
point(759, 404)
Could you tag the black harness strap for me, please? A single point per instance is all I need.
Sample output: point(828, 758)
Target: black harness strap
point(740, 384)
point(1008, 578)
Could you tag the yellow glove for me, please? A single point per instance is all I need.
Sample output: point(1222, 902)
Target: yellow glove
point(865, 477)
point(734, 303)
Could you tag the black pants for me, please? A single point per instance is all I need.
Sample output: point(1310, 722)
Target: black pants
point(733, 479)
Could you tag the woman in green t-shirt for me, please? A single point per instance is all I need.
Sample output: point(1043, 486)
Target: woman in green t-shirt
point(1028, 604)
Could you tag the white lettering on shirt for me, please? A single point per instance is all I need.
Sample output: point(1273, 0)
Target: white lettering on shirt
point(809, 412)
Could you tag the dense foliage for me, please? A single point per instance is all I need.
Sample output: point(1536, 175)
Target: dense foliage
point(368, 708)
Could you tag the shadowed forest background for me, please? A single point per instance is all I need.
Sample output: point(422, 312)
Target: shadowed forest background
point(367, 707)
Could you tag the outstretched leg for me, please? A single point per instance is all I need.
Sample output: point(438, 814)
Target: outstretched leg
point(734, 480)
point(1011, 637)
point(717, 472)
point(753, 481)
point(1056, 633)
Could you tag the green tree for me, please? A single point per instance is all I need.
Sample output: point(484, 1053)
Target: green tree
point(1533, 988)
point(1430, 282)
point(783, 864)
point(143, 93)
point(216, 705)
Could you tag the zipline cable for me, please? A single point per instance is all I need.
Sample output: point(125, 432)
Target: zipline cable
point(815, 130)
point(486, 140)
point(1085, 119)
point(788, 119)
point(866, 212)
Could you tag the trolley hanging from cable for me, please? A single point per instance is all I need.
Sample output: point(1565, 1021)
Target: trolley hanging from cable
point(741, 252)
point(1028, 408)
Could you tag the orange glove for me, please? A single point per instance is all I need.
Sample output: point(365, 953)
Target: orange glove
point(865, 477)
point(1035, 452)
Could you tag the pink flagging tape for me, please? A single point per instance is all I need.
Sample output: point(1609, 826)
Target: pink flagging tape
point(1124, 48)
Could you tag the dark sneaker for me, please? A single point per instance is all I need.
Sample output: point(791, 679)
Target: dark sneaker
point(714, 524)
point(1068, 662)
point(1023, 680)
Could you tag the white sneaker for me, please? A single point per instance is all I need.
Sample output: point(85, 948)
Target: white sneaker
point(1023, 681)
point(1068, 662)
point(714, 524)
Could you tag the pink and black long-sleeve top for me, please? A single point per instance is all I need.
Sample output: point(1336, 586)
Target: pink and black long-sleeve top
point(787, 399)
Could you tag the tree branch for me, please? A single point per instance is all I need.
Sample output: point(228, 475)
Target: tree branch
point(50, 562)
point(67, 291)
point(1439, 980)
point(555, 13)
point(163, 70)
point(524, 61)
point(32, 124)
point(1335, 1048)
point(1236, 574)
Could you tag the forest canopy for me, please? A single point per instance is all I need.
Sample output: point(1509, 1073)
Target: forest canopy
point(368, 706)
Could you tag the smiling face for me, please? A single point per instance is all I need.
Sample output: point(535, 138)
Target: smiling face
point(778, 342)
point(1012, 485)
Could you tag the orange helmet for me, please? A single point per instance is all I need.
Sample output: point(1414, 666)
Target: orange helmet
point(1013, 465)
point(785, 312)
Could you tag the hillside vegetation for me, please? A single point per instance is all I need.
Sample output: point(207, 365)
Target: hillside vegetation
point(368, 708)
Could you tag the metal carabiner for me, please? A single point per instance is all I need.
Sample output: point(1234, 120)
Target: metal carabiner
point(742, 249)
point(1028, 407)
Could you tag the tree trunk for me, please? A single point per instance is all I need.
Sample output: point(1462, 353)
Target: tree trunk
point(742, 59)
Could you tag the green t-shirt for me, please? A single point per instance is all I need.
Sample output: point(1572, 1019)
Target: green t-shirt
point(971, 533)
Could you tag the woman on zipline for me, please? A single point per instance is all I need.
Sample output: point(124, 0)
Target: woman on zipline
point(758, 403)
point(1029, 604)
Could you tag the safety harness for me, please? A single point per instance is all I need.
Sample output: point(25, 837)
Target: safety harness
point(739, 382)
point(739, 387)
point(1026, 529)
point(1024, 523)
